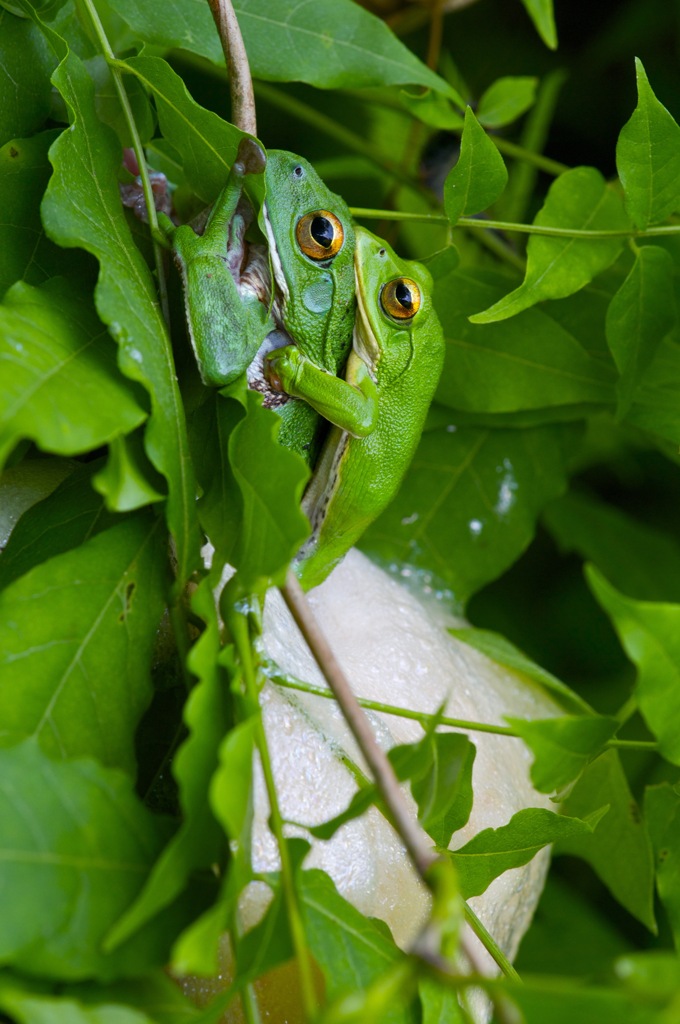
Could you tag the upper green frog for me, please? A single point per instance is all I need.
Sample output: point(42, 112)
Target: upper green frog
point(235, 310)
point(394, 368)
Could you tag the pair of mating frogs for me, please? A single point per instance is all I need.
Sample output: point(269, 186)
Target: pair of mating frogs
point(327, 321)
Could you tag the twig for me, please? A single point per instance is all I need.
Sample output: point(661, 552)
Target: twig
point(417, 846)
point(243, 113)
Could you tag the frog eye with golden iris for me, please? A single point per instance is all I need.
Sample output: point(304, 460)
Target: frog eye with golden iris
point(320, 235)
point(400, 298)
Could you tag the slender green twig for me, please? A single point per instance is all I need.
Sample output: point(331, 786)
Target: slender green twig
point(490, 943)
point(239, 627)
point(154, 229)
point(426, 719)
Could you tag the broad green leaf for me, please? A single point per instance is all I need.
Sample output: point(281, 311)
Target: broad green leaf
point(232, 804)
point(53, 347)
point(108, 106)
point(569, 934)
point(25, 253)
point(351, 950)
point(505, 100)
point(562, 747)
point(479, 176)
point(496, 647)
point(76, 640)
point(656, 404)
point(619, 851)
point(443, 787)
point(648, 158)
point(82, 209)
point(61, 521)
point(206, 144)
point(528, 362)
point(25, 67)
point(638, 559)
point(127, 480)
point(653, 975)
point(468, 505)
point(650, 635)
point(342, 44)
point(27, 1007)
point(207, 717)
point(550, 1001)
point(433, 109)
point(556, 267)
point(662, 814)
point(641, 313)
point(270, 480)
point(440, 1004)
point(439, 768)
point(542, 14)
point(155, 993)
point(76, 844)
point(495, 850)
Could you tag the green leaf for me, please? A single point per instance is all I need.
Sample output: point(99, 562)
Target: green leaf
point(479, 176)
point(270, 480)
point(495, 850)
point(656, 404)
point(53, 346)
point(496, 647)
point(443, 786)
point(76, 640)
point(620, 851)
point(126, 479)
point(350, 949)
point(440, 1004)
point(32, 1008)
point(557, 267)
point(67, 517)
point(76, 844)
point(640, 314)
point(468, 505)
point(638, 559)
point(82, 208)
point(440, 770)
point(342, 44)
point(562, 747)
point(542, 14)
point(653, 976)
point(433, 109)
point(206, 144)
point(25, 67)
point(207, 717)
point(650, 635)
point(543, 1000)
point(662, 814)
point(528, 362)
point(648, 158)
point(505, 100)
point(25, 252)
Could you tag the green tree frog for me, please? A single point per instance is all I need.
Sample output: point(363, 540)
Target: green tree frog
point(392, 370)
point(236, 312)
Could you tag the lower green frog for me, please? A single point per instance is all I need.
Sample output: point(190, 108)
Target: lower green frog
point(378, 409)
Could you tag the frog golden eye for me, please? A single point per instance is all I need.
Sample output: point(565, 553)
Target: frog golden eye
point(320, 235)
point(400, 298)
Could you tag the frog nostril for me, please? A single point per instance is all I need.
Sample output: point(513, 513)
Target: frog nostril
point(298, 171)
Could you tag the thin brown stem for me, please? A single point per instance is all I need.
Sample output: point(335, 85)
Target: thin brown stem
point(243, 113)
point(417, 846)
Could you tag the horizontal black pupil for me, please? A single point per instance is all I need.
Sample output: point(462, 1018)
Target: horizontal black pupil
point(403, 295)
point(322, 231)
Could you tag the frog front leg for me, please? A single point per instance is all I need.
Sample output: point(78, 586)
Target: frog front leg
point(226, 322)
point(350, 403)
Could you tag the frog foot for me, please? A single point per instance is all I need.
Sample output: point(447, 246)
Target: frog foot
point(281, 368)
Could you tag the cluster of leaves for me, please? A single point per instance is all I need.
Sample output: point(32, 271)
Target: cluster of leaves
point(108, 864)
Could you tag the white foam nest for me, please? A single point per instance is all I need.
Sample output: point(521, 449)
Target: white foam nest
point(395, 649)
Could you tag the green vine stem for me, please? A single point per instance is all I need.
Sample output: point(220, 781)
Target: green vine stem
point(426, 719)
point(117, 77)
point(481, 224)
point(239, 627)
